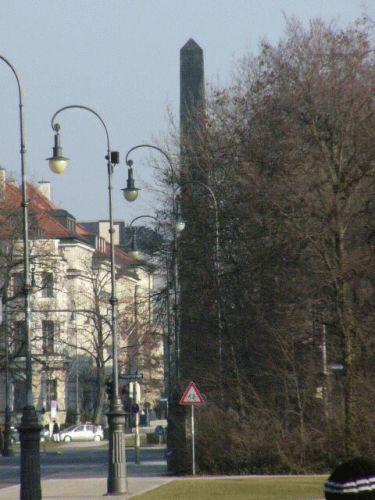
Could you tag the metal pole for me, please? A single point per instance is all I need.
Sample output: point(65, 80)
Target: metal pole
point(117, 481)
point(218, 284)
point(175, 378)
point(193, 439)
point(175, 266)
point(325, 369)
point(30, 427)
point(7, 451)
point(137, 441)
point(78, 413)
point(176, 296)
point(167, 343)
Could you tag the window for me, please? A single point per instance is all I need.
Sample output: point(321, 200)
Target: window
point(48, 336)
point(17, 283)
point(47, 284)
point(51, 389)
point(19, 340)
point(19, 400)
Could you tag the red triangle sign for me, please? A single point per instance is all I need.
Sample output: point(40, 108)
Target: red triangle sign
point(192, 396)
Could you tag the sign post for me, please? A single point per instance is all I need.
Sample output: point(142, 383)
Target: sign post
point(192, 397)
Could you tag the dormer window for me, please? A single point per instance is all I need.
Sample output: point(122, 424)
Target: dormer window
point(71, 224)
point(101, 245)
point(65, 218)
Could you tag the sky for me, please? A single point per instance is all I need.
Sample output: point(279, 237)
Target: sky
point(120, 58)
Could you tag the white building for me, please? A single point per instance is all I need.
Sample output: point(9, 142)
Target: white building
point(71, 335)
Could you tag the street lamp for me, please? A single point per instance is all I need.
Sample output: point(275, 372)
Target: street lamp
point(177, 226)
point(134, 253)
point(117, 483)
point(218, 282)
point(30, 428)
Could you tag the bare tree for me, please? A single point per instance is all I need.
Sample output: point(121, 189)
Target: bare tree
point(290, 151)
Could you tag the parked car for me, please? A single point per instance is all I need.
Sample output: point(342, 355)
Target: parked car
point(45, 434)
point(14, 436)
point(83, 432)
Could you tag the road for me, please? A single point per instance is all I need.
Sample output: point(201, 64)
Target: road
point(84, 460)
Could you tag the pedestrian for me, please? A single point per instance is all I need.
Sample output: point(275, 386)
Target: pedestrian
point(55, 431)
point(354, 479)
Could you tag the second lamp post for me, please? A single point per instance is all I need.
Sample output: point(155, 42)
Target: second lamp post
point(117, 483)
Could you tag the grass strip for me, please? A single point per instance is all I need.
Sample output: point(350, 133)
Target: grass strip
point(240, 488)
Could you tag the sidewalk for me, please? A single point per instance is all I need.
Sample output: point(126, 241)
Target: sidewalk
point(86, 489)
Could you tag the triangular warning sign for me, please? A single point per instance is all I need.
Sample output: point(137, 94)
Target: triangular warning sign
point(192, 396)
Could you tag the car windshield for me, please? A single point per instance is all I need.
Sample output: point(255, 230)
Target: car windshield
point(69, 428)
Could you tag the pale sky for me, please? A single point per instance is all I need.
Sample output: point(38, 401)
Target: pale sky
point(121, 58)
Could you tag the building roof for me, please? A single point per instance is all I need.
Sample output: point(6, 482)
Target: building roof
point(46, 219)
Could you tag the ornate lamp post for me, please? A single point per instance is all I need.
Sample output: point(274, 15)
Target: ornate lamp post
point(117, 482)
point(136, 255)
point(177, 228)
point(218, 282)
point(30, 427)
point(177, 224)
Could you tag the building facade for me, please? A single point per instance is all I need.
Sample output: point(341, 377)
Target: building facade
point(71, 336)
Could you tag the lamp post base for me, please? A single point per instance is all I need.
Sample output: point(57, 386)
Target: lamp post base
point(29, 431)
point(117, 481)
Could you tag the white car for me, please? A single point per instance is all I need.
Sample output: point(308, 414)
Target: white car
point(82, 432)
point(14, 436)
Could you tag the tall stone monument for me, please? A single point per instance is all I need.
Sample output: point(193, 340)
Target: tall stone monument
point(196, 245)
point(191, 354)
point(191, 99)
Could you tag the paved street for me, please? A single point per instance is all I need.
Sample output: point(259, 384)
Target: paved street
point(84, 460)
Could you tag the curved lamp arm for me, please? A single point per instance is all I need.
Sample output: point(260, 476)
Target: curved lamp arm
point(79, 106)
point(23, 150)
point(130, 162)
point(134, 252)
point(26, 256)
point(130, 189)
point(143, 217)
point(58, 162)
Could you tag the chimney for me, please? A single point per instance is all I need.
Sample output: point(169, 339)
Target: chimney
point(44, 189)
